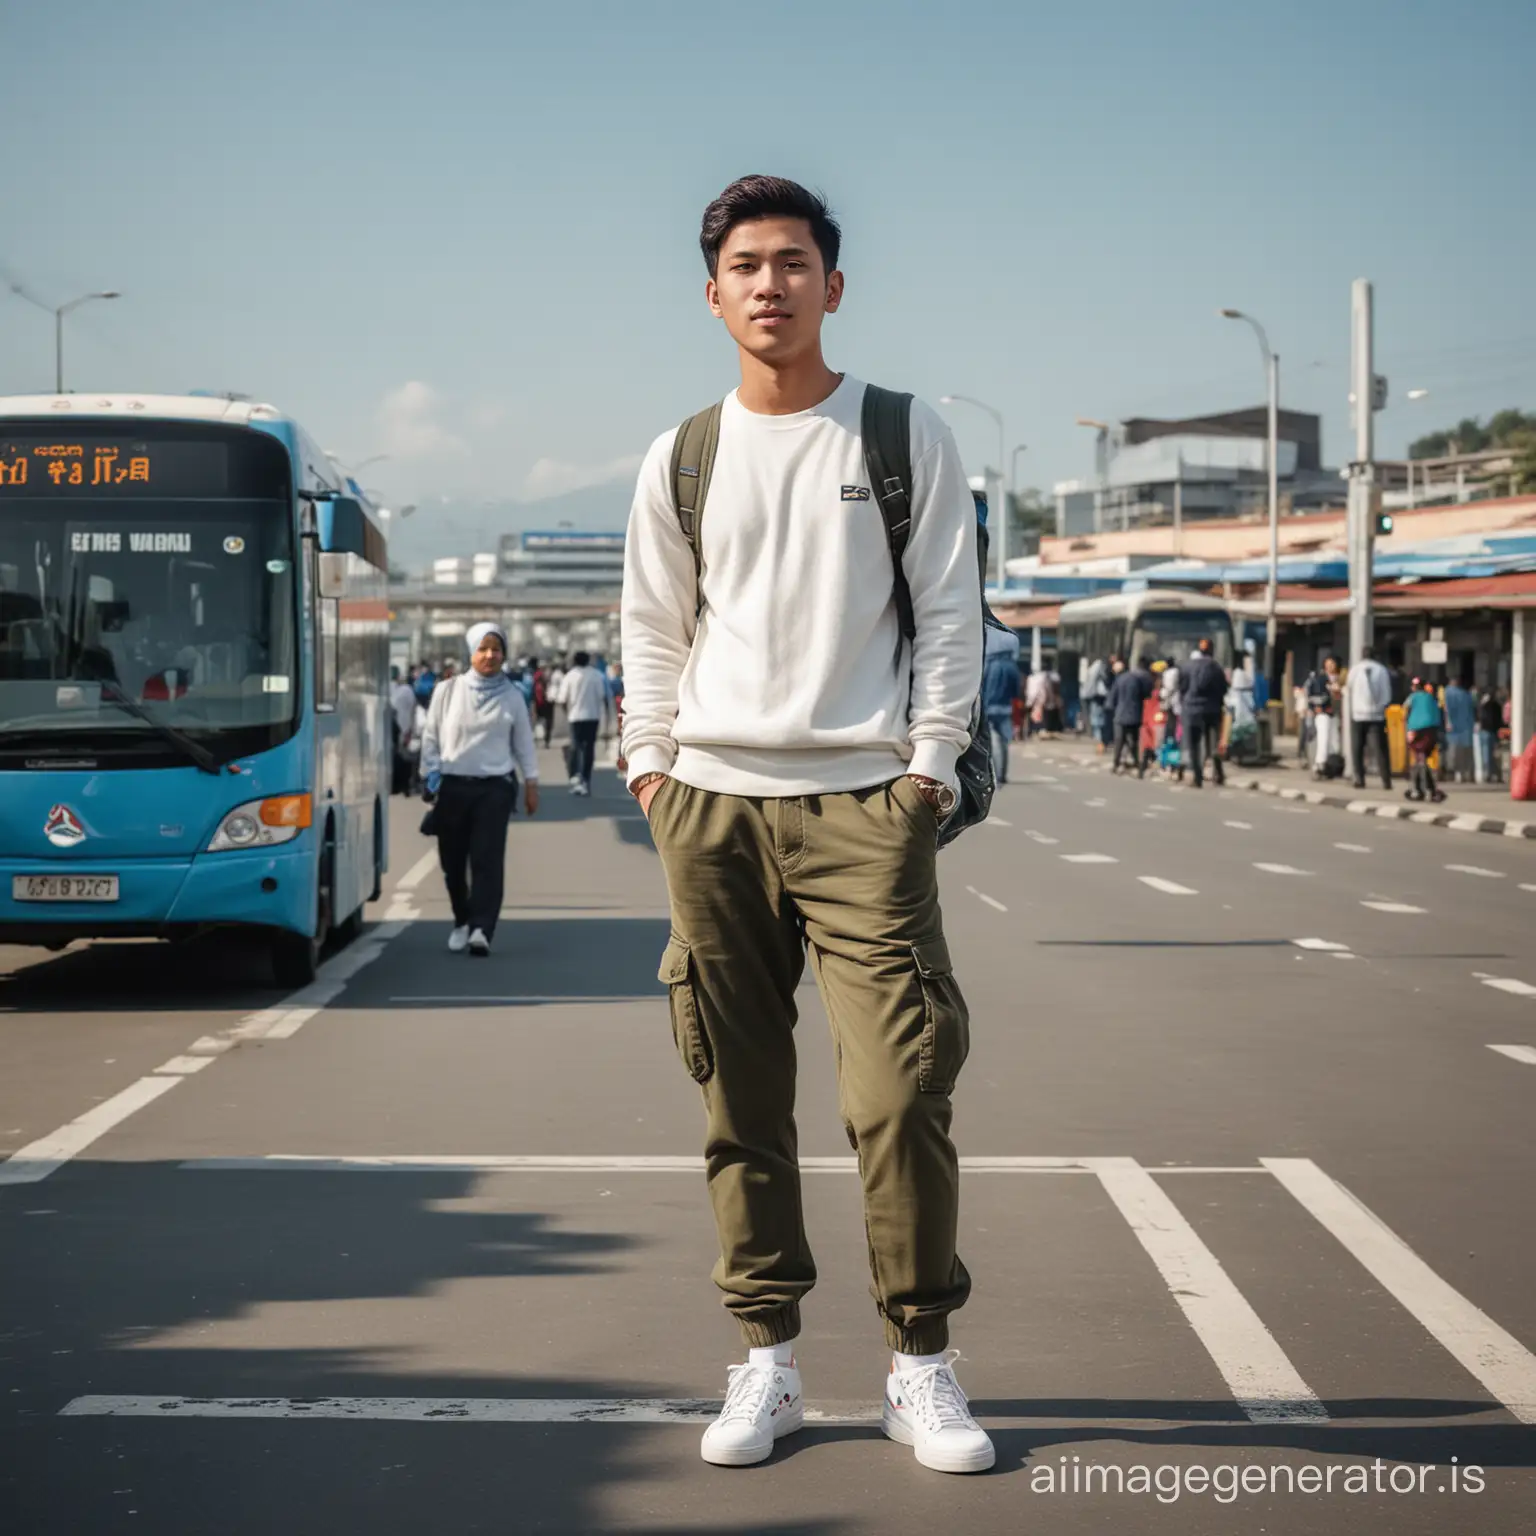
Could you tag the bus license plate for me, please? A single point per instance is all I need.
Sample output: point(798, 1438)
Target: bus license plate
point(64, 887)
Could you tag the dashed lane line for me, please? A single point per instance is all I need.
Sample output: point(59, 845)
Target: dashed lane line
point(1505, 1367)
point(1282, 869)
point(1324, 946)
point(1089, 858)
point(1499, 984)
point(1403, 908)
point(1239, 826)
point(417, 872)
point(1525, 1053)
point(1476, 869)
point(991, 901)
point(1040, 837)
point(1168, 887)
point(1096, 804)
point(33, 1163)
point(1352, 847)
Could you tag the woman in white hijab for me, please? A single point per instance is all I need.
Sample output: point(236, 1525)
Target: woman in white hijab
point(477, 728)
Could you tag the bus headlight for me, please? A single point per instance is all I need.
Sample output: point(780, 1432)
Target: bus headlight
point(261, 823)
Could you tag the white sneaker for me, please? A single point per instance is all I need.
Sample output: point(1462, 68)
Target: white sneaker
point(762, 1404)
point(479, 944)
point(579, 788)
point(458, 941)
point(926, 1409)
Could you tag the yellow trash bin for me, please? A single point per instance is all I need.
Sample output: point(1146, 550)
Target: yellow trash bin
point(1397, 738)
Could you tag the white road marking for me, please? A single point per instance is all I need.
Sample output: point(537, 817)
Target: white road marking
point(418, 871)
point(1240, 826)
point(1395, 906)
point(1495, 1357)
point(1090, 858)
point(1157, 807)
point(1528, 887)
point(283, 1162)
point(1327, 946)
point(35, 1161)
point(1168, 887)
point(1525, 1053)
point(997, 821)
point(1040, 837)
point(436, 1410)
point(1281, 869)
point(982, 896)
point(1292, 810)
point(1467, 823)
point(1353, 847)
point(1476, 869)
point(1095, 804)
point(1498, 983)
point(1267, 1386)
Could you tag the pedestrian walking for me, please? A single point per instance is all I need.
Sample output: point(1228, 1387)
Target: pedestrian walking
point(795, 756)
point(1168, 697)
point(477, 732)
point(1203, 700)
point(1460, 726)
point(402, 718)
point(1424, 722)
point(1370, 696)
point(587, 702)
point(1130, 690)
point(543, 699)
point(1490, 722)
point(1096, 691)
point(1324, 689)
point(999, 689)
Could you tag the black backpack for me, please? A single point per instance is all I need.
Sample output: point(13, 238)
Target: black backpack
point(887, 436)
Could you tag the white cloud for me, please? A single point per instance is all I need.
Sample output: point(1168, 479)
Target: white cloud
point(550, 477)
point(409, 428)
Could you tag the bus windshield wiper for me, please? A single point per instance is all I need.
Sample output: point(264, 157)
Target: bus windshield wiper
point(199, 754)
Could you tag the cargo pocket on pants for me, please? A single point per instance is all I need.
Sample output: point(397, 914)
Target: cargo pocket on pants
point(946, 1020)
point(687, 1027)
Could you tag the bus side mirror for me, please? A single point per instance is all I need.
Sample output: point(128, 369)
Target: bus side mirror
point(342, 527)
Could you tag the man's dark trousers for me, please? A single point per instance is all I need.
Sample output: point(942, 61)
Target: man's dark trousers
point(1202, 734)
point(583, 749)
point(1127, 737)
point(1361, 732)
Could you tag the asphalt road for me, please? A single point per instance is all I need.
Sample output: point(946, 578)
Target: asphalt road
point(426, 1248)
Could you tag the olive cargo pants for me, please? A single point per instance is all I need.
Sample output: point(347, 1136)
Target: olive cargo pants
point(754, 883)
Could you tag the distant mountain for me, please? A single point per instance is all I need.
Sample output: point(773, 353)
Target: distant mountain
point(438, 528)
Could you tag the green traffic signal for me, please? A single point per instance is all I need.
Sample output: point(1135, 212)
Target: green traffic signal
point(1383, 523)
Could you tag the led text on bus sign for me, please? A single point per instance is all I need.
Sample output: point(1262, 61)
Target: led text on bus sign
point(49, 465)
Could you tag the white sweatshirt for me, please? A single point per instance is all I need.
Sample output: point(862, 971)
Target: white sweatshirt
point(479, 730)
point(584, 693)
point(795, 678)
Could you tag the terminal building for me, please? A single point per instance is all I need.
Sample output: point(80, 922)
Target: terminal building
point(563, 560)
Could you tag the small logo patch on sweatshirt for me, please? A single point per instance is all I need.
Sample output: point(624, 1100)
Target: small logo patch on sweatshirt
point(855, 493)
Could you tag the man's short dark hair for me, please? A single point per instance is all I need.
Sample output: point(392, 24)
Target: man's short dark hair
point(768, 197)
point(581, 659)
point(1367, 653)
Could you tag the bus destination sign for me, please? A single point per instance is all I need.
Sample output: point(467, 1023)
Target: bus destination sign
point(36, 467)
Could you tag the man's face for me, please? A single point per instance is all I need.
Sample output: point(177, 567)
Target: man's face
point(770, 289)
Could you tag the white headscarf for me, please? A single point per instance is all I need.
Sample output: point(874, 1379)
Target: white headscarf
point(477, 632)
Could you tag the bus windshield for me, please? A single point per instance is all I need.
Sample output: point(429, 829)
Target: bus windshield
point(1173, 634)
point(183, 606)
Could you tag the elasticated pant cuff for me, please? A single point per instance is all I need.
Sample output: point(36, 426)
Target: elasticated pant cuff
point(929, 1337)
point(766, 1329)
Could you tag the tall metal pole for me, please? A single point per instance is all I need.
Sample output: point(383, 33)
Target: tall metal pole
point(58, 351)
point(1362, 522)
point(997, 515)
point(1272, 593)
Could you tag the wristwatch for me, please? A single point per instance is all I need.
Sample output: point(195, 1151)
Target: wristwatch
point(942, 797)
point(642, 781)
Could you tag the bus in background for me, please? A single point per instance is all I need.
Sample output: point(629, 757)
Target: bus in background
point(1147, 625)
point(194, 635)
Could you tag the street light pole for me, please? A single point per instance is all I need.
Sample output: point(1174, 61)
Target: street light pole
point(1002, 520)
point(58, 326)
point(1272, 453)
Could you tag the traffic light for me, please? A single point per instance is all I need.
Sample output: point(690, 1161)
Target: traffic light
point(1383, 523)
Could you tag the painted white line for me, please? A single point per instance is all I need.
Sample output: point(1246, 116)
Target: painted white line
point(1525, 1053)
point(1157, 807)
point(1168, 887)
point(1496, 1358)
point(1095, 804)
point(1528, 887)
point(1509, 984)
point(1476, 869)
point(35, 1161)
point(417, 872)
point(1327, 946)
point(1291, 810)
point(1040, 837)
point(183, 1066)
point(1268, 1388)
point(1090, 858)
point(1239, 826)
point(1402, 907)
point(991, 901)
point(1281, 869)
point(1353, 847)
point(283, 1162)
point(437, 1410)
point(997, 821)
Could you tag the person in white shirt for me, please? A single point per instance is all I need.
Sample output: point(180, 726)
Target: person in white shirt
point(402, 707)
point(477, 728)
point(1370, 693)
point(584, 693)
point(794, 755)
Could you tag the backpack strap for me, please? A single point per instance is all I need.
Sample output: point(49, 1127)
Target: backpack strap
point(887, 433)
point(693, 462)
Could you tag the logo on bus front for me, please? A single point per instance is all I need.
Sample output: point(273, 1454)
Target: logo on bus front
point(63, 828)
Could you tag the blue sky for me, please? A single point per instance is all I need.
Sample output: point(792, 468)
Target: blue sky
point(463, 234)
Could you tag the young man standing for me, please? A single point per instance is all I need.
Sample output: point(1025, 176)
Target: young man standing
point(584, 693)
point(793, 755)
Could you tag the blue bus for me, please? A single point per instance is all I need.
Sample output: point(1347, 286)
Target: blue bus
point(194, 637)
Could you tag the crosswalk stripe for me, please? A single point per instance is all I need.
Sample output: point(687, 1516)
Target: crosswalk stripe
point(1268, 1388)
point(1495, 1357)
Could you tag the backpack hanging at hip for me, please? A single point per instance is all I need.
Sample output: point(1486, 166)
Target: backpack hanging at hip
point(886, 429)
